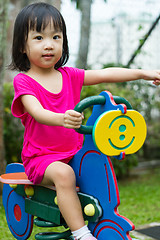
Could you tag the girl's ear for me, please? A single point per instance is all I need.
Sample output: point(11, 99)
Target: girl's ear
point(23, 51)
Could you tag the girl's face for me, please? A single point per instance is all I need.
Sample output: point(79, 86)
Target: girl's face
point(44, 49)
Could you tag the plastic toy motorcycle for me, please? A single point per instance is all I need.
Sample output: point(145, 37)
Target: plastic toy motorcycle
point(113, 129)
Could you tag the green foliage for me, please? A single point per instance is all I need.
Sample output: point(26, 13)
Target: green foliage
point(148, 105)
point(122, 168)
point(13, 130)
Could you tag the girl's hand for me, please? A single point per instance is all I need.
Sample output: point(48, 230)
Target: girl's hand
point(156, 82)
point(152, 75)
point(72, 119)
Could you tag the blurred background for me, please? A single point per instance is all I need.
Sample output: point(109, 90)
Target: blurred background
point(101, 33)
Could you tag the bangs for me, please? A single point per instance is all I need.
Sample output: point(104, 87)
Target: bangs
point(41, 20)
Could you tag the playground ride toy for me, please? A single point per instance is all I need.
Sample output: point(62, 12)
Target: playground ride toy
point(113, 129)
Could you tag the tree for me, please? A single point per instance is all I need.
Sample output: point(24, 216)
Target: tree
point(3, 30)
point(147, 102)
point(85, 8)
point(142, 41)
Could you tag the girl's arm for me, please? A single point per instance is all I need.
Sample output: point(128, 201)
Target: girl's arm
point(69, 119)
point(120, 75)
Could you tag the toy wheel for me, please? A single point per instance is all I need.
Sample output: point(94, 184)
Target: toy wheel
point(19, 222)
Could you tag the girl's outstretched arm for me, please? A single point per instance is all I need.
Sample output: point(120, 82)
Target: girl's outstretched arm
point(120, 75)
point(69, 119)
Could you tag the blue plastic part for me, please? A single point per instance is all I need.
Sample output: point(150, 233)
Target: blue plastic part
point(20, 227)
point(95, 176)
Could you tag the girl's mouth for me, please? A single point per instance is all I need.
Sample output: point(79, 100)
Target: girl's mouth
point(48, 56)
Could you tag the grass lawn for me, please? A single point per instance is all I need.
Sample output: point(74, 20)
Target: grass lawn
point(140, 202)
point(140, 198)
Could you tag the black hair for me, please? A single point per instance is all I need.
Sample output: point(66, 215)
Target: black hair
point(36, 15)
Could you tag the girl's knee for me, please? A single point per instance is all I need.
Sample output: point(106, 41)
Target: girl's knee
point(61, 174)
point(66, 177)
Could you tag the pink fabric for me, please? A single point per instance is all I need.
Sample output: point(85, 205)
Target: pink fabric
point(45, 144)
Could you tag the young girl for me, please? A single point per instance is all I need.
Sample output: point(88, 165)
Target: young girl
point(45, 96)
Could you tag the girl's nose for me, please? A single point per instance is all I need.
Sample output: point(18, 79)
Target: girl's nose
point(48, 45)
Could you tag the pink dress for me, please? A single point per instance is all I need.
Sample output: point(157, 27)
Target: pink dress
point(45, 144)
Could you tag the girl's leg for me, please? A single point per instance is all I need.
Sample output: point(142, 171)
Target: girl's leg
point(62, 175)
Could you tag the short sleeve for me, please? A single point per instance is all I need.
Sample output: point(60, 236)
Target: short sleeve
point(22, 86)
point(76, 77)
point(77, 80)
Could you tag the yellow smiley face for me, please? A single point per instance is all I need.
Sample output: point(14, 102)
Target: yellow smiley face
point(115, 132)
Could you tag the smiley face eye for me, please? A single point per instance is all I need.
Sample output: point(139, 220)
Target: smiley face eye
point(122, 137)
point(122, 128)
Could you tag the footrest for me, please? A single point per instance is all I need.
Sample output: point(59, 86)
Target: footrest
point(42, 223)
point(53, 235)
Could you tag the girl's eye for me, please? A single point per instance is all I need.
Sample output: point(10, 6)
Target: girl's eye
point(56, 37)
point(39, 37)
